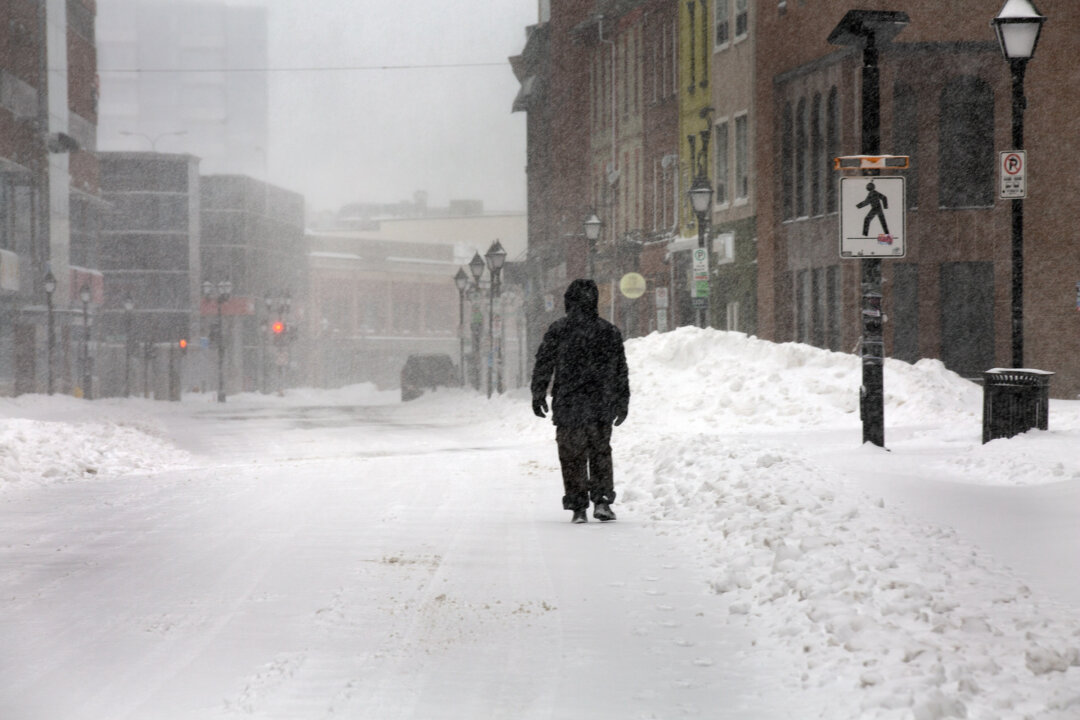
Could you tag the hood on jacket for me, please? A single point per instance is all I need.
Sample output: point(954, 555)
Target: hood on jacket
point(582, 298)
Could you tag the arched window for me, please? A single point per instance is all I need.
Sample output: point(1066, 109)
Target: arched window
point(906, 137)
point(787, 144)
point(832, 145)
point(966, 144)
point(817, 156)
point(802, 150)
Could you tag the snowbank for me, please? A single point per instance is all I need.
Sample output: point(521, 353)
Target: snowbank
point(884, 619)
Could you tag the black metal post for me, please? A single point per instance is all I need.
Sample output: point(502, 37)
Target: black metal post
point(461, 333)
point(502, 333)
point(1018, 68)
point(221, 350)
point(702, 242)
point(491, 333)
point(873, 377)
point(51, 342)
point(87, 390)
point(127, 353)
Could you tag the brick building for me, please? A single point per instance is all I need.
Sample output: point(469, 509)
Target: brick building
point(50, 208)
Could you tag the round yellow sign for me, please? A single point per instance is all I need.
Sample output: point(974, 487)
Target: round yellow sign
point(632, 285)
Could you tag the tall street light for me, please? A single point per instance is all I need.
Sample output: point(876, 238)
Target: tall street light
point(461, 280)
point(496, 256)
point(84, 295)
point(219, 292)
point(129, 305)
point(50, 342)
point(152, 139)
point(869, 30)
point(476, 267)
point(593, 226)
point(701, 193)
point(1018, 26)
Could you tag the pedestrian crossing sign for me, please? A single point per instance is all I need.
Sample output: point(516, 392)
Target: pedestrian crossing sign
point(872, 217)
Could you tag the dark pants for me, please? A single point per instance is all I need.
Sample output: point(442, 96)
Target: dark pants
point(585, 456)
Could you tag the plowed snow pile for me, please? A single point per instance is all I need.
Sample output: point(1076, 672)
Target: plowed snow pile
point(882, 618)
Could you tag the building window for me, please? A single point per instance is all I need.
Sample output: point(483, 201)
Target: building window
point(787, 189)
point(802, 150)
point(721, 24)
point(720, 138)
point(742, 158)
point(966, 144)
point(817, 155)
point(832, 145)
point(906, 137)
point(742, 18)
point(690, 8)
point(733, 316)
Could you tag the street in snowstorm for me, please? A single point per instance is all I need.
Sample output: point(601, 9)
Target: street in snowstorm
point(343, 553)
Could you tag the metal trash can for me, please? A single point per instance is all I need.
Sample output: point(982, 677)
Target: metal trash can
point(1015, 401)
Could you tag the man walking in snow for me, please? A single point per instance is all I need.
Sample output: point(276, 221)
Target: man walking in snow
point(582, 358)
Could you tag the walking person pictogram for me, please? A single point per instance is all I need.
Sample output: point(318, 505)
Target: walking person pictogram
point(878, 203)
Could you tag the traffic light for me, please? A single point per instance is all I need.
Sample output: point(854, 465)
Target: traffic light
point(182, 344)
point(279, 331)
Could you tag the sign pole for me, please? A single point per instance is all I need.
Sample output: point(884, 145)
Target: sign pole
point(872, 393)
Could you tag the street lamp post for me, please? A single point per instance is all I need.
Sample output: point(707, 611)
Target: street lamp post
point(461, 280)
point(129, 305)
point(84, 295)
point(219, 292)
point(50, 342)
point(476, 267)
point(152, 139)
point(496, 256)
point(870, 30)
point(1018, 26)
point(593, 226)
point(701, 193)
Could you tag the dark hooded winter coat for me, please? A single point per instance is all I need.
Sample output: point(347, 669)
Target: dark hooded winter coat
point(583, 359)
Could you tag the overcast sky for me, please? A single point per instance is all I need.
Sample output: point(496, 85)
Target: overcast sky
point(379, 135)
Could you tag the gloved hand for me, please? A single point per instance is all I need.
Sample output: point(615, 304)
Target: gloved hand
point(540, 405)
point(620, 415)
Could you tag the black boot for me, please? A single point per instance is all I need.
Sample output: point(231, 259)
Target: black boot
point(602, 512)
point(580, 516)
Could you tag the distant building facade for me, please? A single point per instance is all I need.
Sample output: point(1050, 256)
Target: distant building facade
point(253, 236)
point(150, 246)
point(210, 111)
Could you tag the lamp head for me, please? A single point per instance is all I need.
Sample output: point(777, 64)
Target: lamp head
point(50, 283)
point(84, 293)
point(1017, 26)
point(476, 267)
point(592, 227)
point(701, 195)
point(496, 256)
point(129, 303)
point(461, 279)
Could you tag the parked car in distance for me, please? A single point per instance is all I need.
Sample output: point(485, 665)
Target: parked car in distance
point(422, 372)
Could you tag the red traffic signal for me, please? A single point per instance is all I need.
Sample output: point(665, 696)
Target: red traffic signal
point(278, 328)
point(182, 344)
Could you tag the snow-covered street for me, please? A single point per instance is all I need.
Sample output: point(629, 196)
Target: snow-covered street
point(344, 554)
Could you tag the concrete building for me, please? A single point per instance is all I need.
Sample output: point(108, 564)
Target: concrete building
point(378, 296)
point(253, 236)
point(150, 255)
point(185, 97)
point(49, 204)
